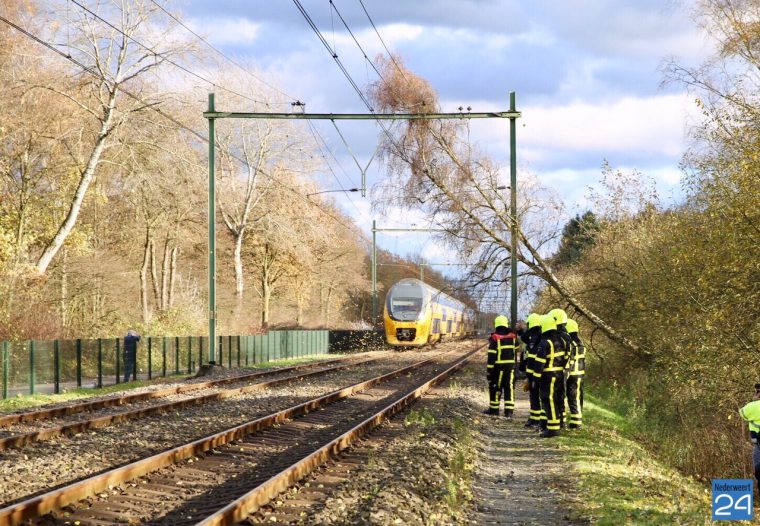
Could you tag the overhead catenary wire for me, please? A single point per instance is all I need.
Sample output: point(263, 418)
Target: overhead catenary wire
point(219, 52)
point(351, 228)
point(167, 59)
point(314, 132)
point(334, 55)
point(337, 179)
point(332, 4)
point(393, 59)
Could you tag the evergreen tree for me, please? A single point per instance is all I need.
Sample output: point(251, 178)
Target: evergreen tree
point(578, 235)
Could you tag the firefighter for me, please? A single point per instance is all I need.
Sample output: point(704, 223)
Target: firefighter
point(576, 372)
point(751, 413)
point(560, 316)
point(530, 339)
point(500, 369)
point(549, 366)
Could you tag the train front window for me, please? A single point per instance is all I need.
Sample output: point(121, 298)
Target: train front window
point(406, 306)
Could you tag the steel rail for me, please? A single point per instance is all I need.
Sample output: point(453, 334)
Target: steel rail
point(16, 441)
point(238, 510)
point(16, 514)
point(41, 414)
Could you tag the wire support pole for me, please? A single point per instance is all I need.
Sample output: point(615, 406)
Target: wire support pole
point(513, 204)
point(361, 116)
point(211, 233)
point(374, 273)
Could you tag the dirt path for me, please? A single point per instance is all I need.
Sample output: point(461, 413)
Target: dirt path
point(520, 478)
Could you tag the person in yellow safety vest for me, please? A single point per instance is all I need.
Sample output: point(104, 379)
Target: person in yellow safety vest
point(574, 382)
point(500, 368)
point(751, 413)
point(530, 339)
point(549, 366)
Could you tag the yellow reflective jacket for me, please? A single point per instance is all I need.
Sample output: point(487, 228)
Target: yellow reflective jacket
point(751, 413)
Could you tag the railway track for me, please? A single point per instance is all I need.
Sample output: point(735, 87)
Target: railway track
point(223, 477)
point(122, 399)
point(20, 429)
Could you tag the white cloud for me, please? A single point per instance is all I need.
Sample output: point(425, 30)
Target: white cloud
point(397, 33)
point(227, 31)
point(646, 124)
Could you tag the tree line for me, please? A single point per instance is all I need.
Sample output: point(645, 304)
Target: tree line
point(103, 186)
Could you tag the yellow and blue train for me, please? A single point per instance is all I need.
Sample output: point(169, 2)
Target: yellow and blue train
point(416, 314)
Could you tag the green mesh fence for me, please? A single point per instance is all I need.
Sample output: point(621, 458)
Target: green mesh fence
point(51, 366)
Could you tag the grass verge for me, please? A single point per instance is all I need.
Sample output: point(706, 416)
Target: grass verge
point(620, 482)
point(30, 401)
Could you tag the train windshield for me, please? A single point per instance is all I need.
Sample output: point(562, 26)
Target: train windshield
point(406, 306)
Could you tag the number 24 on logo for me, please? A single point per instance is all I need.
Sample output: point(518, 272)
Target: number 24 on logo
point(731, 509)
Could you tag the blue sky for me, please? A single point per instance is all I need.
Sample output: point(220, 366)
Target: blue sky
point(586, 72)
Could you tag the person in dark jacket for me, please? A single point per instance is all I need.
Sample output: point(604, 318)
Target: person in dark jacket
point(500, 368)
point(549, 367)
point(530, 338)
point(130, 354)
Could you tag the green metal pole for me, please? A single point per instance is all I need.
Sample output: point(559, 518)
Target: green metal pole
point(374, 273)
point(176, 355)
point(79, 362)
point(211, 235)
point(163, 356)
point(229, 352)
point(150, 358)
point(6, 361)
point(189, 355)
point(100, 363)
point(238, 349)
point(56, 367)
point(513, 203)
point(31, 367)
point(118, 360)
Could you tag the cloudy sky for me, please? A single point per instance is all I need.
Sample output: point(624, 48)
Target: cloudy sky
point(586, 72)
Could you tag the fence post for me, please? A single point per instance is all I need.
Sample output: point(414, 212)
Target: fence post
point(163, 355)
point(150, 358)
point(176, 355)
point(118, 360)
point(229, 352)
point(100, 362)
point(221, 351)
point(189, 355)
point(79, 362)
point(247, 340)
point(238, 343)
point(56, 367)
point(31, 367)
point(5, 369)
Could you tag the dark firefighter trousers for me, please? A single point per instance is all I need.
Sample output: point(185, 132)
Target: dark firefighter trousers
point(537, 416)
point(553, 398)
point(501, 386)
point(574, 386)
